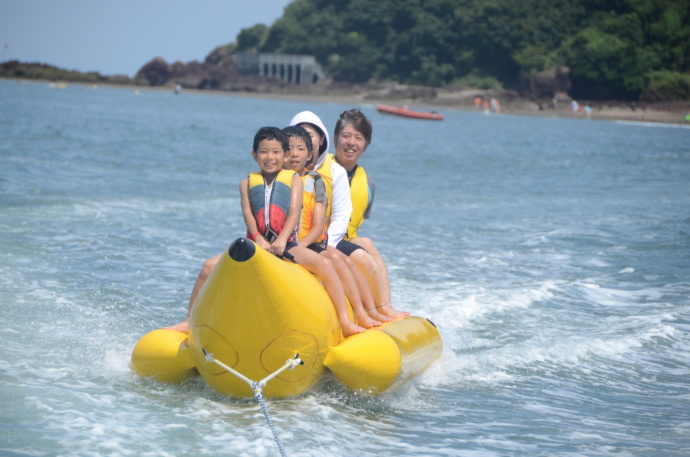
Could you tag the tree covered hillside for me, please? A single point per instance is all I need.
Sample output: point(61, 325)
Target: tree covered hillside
point(614, 48)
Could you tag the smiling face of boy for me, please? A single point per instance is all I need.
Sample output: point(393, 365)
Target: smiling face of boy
point(270, 156)
point(298, 155)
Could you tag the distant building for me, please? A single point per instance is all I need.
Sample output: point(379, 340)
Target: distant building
point(291, 68)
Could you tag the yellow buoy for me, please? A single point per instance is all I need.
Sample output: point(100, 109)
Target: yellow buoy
point(383, 358)
point(163, 355)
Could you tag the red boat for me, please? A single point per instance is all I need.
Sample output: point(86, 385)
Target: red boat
point(405, 112)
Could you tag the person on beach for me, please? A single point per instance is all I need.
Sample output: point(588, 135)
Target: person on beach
point(312, 222)
point(272, 220)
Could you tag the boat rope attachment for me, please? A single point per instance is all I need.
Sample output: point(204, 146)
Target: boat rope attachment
point(258, 387)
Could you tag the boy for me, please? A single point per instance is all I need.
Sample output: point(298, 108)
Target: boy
point(312, 224)
point(271, 204)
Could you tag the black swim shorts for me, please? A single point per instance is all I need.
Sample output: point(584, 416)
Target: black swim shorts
point(316, 247)
point(286, 253)
point(347, 247)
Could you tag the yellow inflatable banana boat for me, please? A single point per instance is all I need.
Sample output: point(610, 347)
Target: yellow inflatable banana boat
point(256, 313)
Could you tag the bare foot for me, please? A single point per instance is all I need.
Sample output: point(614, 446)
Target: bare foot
point(366, 321)
point(374, 314)
point(350, 328)
point(181, 327)
point(388, 310)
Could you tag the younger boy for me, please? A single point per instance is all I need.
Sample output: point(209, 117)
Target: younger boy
point(312, 223)
point(271, 204)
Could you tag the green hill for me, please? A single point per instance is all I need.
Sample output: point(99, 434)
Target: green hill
point(615, 49)
point(629, 50)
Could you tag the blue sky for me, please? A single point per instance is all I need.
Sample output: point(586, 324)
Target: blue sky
point(120, 36)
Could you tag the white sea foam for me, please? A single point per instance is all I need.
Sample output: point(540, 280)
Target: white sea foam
point(607, 296)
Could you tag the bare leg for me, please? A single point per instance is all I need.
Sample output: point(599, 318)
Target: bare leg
point(363, 287)
point(366, 265)
point(205, 272)
point(351, 289)
point(323, 268)
point(384, 305)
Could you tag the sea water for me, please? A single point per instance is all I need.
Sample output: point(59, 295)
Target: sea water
point(553, 254)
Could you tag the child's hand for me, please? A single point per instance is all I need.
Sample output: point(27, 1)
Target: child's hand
point(278, 246)
point(263, 244)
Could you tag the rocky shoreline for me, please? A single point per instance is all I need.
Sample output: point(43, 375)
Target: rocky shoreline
point(425, 98)
point(218, 74)
point(543, 93)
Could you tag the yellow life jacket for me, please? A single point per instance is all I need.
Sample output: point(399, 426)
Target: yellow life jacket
point(279, 203)
point(360, 194)
point(325, 172)
point(306, 219)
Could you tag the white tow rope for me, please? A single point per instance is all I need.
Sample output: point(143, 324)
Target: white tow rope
point(258, 387)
